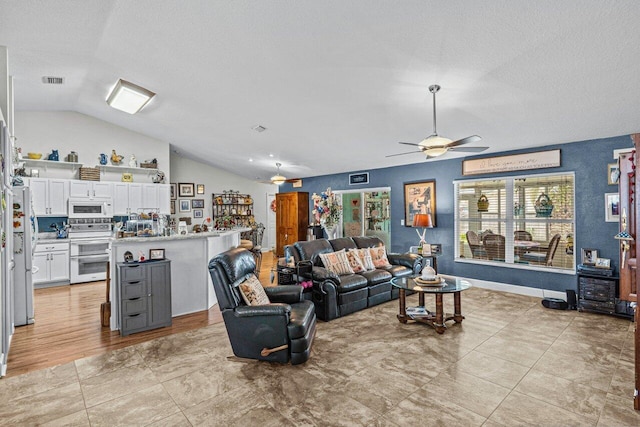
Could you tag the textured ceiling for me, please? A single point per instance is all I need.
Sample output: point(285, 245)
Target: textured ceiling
point(336, 83)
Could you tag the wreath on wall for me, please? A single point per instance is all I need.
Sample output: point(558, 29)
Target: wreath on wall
point(273, 205)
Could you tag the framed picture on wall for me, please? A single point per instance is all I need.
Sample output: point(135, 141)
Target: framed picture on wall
point(197, 213)
point(613, 173)
point(185, 205)
point(174, 190)
point(419, 197)
point(186, 190)
point(612, 207)
point(200, 189)
point(197, 204)
point(173, 207)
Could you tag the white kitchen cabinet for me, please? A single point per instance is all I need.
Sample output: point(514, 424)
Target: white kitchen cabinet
point(164, 198)
point(128, 198)
point(50, 196)
point(52, 262)
point(90, 189)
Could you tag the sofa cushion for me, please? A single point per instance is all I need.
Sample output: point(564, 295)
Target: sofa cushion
point(376, 276)
point(310, 249)
point(252, 291)
point(336, 262)
point(367, 241)
point(399, 271)
point(351, 282)
point(300, 319)
point(354, 261)
point(365, 258)
point(342, 243)
point(379, 257)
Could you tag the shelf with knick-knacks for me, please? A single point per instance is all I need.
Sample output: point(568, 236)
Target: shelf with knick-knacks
point(232, 209)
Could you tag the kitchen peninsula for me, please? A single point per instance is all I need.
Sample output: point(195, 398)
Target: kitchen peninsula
point(191, 286)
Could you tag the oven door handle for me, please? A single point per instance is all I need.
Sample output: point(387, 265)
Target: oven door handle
point(90, 257)
point(88, 242)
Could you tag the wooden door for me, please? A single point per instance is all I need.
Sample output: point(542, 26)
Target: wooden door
point(292, 217)
point(627, 208)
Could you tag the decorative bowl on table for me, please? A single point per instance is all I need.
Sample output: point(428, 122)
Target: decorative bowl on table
point(34, 156)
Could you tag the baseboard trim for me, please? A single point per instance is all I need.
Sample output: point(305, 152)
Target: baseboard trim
point(515, 289)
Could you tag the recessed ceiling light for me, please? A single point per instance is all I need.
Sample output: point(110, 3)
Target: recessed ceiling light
point(259, 128)
point(129, 97)
point(251, 160)
point(270, 155)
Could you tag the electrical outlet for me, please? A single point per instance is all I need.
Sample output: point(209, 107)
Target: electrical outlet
point(402, 222)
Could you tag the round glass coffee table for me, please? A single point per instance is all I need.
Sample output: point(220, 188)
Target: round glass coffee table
point(450, 285)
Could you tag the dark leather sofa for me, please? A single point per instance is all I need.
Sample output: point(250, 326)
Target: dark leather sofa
point(335, 296)
point(278, 332)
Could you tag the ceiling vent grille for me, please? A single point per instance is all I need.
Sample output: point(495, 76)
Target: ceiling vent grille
point(51, 80)
point(259, 128)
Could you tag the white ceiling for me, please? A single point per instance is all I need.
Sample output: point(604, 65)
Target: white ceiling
point(336, 83)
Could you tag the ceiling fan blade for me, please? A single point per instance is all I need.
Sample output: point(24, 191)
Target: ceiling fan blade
point(467, 140)
point(402, 154)
point(468, 149)
point(410, 143)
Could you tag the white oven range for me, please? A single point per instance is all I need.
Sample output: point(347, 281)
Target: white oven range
point(89, 248)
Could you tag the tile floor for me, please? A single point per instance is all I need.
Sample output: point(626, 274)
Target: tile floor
point(510, 363)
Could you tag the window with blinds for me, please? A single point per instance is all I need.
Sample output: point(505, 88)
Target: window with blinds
point(520, 221)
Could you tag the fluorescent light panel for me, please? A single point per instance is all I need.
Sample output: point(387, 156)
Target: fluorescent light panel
point(128, 97)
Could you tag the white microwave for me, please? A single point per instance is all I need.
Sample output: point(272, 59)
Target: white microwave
point(96, 208)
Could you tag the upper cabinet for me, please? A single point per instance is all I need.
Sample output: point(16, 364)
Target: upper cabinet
point(128, 198)
point(90, 189)
point(50, 196)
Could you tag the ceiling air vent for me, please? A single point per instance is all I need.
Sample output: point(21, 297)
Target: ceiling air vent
point(259, 128)
point(50, 80)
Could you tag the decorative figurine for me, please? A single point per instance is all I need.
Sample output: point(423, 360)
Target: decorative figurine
point(133, 163)
point(158, 178)
point(54, 156)
point(116, 158)
point(103, 159)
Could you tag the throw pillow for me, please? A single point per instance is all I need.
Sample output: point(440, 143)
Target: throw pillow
point(354, 262)
point(379, 257)
point(252, 291)
point(336, 262)
point(365, 258)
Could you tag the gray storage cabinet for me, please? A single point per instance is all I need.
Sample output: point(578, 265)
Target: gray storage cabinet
point(145, 295)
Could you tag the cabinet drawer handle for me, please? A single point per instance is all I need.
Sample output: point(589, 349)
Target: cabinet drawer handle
point(134, 299)
point(134, 266)
point(134, 315)
point(134, 283)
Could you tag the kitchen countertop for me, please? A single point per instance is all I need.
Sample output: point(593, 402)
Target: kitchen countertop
point(46, 238)
point(175, 236)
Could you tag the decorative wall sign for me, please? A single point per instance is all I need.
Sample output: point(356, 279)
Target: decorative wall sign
point(359, 178)
point(514, 162)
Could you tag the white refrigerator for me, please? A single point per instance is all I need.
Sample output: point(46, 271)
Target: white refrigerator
point(25, 234)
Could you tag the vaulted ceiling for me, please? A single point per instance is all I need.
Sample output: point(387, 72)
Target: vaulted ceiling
point(336, 83)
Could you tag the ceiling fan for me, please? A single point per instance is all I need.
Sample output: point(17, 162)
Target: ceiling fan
point(435, 145)
point(278, 179)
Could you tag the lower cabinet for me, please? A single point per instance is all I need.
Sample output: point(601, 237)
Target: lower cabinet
point(52, 262)
point(145, 295)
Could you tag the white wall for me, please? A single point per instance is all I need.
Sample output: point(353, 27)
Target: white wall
point(216, 181)
point(69, 131)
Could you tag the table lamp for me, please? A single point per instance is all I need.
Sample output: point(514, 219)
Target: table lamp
point(424, 221)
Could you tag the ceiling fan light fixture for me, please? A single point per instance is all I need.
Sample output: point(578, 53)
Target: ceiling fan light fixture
point(435, 151)
point(435, 141)
point(129, 97)
point(278, 179)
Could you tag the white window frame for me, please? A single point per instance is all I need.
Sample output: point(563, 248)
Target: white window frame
point(508, 223)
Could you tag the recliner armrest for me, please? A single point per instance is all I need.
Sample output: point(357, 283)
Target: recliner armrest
point(408, 260)
point(320, 274)
point(288, 294)
point(275, 309)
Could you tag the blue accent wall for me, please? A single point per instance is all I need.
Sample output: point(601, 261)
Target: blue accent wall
point(587, 159)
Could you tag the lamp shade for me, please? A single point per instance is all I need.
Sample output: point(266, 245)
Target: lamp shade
point(422, 220)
